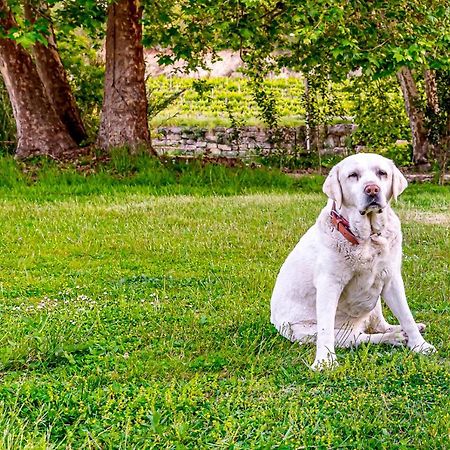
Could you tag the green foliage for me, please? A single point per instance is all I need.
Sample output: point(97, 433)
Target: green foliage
point(210, 103)
point(132, 320)
point(328, 36)
point(25, 32)
point(400, 153)
point(85, 69)
point(266, 101)
point(377, 109)
point(162, 102)
point(297, 159)
point(236, 125)
point(324, 102)
point(72, 15)
point(211, 106)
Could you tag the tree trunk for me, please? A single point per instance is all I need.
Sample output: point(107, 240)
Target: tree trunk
point(431, 91)
point(124, 113)
point(39, 129)
point(53, 76)
point(415, 114)
point(437, 88)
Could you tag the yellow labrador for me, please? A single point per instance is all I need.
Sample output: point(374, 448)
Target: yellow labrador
point(329, 287)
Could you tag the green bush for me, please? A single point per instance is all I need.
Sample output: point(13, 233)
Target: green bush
point(85, 70)
point(401, 154)
point(377, 109)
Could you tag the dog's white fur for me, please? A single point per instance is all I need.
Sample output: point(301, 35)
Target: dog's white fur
point(328, 290)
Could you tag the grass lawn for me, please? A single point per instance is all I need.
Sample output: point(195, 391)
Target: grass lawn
point(135, 320)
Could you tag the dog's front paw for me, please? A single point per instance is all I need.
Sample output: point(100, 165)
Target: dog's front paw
point(324, 363)
point(423, 347)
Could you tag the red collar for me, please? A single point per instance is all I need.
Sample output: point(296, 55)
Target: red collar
point(342, 225)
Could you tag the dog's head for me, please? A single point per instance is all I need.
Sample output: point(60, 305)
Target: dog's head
point(364, 181)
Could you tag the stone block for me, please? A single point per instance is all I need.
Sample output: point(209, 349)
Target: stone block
point(173, 130)
point(173, 137)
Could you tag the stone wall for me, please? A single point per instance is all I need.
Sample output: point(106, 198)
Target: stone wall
point(244, 141)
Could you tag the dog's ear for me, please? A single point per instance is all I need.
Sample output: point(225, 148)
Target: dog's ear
point(332, 186)
point(399, 182)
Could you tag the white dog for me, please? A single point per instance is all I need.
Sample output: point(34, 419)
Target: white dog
point(329, 287)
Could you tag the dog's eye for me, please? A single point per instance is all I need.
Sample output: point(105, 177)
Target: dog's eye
point(353, 175)
point(381, 173)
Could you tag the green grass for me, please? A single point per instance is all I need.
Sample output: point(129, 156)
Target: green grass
point(135, 314)
point(46, 181)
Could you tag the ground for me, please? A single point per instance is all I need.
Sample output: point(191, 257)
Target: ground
point(135, 320)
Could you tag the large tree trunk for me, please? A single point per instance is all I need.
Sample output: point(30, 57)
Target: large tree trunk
point(124, 113)
point(39, 129)
point(415, 114)
point(54, 77)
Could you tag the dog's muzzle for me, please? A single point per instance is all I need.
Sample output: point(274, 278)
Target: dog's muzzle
point(373, 201)
point(373, 206)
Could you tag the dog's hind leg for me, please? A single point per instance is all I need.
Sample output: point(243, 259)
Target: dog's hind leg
point(347, 337)
point(378, 324)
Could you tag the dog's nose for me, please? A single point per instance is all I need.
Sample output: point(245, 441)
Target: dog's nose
point(372, 189)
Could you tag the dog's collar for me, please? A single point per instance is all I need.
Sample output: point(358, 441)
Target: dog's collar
point(342, 225)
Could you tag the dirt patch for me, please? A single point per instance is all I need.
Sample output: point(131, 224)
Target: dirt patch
point(428, 218)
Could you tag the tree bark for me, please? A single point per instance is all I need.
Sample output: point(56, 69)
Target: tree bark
point(415, 114)
point(39, 129)
point(54, 77)
point(437, 85)
point(431, 91)
point(124, 114)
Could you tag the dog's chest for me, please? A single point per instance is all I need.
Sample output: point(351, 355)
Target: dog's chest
point(369, 255)
point(369, 272)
